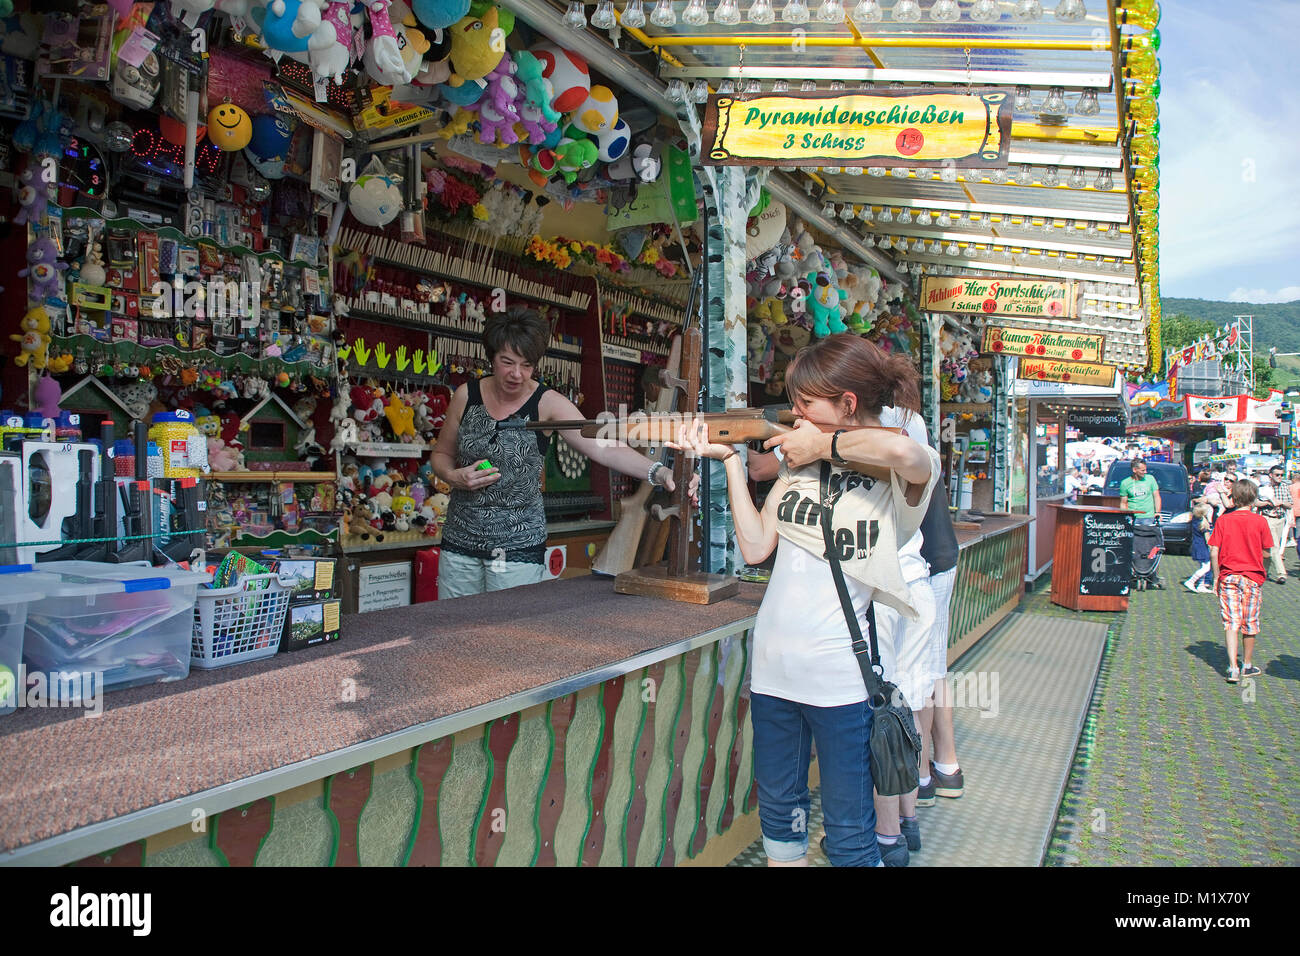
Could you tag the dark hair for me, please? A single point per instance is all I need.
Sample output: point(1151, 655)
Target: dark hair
point(519, 329)
point(1204, 476)
point(846, 362)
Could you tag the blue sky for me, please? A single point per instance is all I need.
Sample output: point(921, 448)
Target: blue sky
point(1230, 150)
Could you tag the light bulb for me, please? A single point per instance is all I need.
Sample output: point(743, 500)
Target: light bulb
point(1077, 179)
point(761, 12)
point(696, 14)
point(952, 250)
point(1026, 175)
point(1048, 226)
point(809, 169)
point(1087, 104)
point(907, 11)
point(867, 11)
point(779, 86)
point(699, 90)
point(904, 216)
point(602, 18)
point(997, 176)
point(753, 88)
point(1055, 104)
point(884, 242)
point(575, 18)
point(902, 266)
point(900, 172)
point(947, 174)
point(936, 247)
point(969, 251)
point(846, 212)
point(1028, 10)
point(1023, 102)
point(794, 11)
point(1104, 181)
point(634, 15)
point(828, 210)
point(886, 216)
point(807, 86)
point(1071, 11)
point(984, 11)
point(663, 16)
point(1092, 232)
point(923, 217)
point(945, 11)
point(866, 214)
point(1051, 176)
point(726, 87)
point(727, 13)
point(837, 86)
point(986, 252)
point(875, 170)
point(852, 170)
point(831, 11)
point(676, 90)
point(869, 241)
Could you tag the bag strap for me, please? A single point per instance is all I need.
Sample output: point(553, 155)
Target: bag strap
point(868, 658)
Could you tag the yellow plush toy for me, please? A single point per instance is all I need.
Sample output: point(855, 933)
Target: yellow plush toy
point(35, 338)
point(474, 54)
point(400, 416)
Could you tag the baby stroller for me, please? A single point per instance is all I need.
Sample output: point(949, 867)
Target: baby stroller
point(1148, 547)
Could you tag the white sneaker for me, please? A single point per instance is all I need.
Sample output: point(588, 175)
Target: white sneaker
point(1234, 675)
point(1188, 584)
point(1204, 589)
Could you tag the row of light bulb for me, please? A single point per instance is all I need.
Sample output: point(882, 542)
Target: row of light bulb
point(945, 220)
point(763, 12)
point(989, 253)
point(1055, 104)
point(1103, 180)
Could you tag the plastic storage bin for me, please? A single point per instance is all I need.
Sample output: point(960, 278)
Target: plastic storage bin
point(240, 623)
point(18, 588)
point(131, 623)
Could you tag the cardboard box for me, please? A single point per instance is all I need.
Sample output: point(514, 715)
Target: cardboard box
point(312, 578)
point(307, 625)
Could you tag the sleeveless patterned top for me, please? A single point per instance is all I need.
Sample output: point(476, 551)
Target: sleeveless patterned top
point(506, 518)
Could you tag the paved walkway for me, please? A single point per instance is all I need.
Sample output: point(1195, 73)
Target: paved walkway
point(1174, 766)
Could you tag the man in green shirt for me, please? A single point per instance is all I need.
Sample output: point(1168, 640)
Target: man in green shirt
point(1140, 492)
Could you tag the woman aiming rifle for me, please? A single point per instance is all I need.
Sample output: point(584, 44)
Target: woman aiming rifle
point(806, 683)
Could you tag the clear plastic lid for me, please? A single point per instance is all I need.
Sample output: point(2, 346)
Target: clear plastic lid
point(81, 578)
point(19, 583)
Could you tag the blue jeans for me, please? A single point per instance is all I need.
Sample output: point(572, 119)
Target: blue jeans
point(784, 732)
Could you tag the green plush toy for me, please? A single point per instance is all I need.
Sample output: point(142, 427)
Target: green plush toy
point(573, 156)
point(824, 303)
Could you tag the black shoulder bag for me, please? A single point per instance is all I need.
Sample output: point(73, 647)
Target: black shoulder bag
point(895, 743)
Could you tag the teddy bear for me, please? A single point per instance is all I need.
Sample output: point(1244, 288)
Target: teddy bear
point(345, 434)
point(823, 301)
point(33, 196)
point(43, 267)
point(35, 338)
point(223, 457)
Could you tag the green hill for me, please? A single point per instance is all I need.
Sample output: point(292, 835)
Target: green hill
point(1276, 324)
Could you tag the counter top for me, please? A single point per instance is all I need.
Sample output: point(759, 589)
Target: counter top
point(416, 674)
point(992, 525)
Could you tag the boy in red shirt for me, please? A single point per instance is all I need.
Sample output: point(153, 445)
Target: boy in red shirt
point(1238, 545)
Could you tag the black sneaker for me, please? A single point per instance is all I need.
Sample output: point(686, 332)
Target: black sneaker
point(912, 833)
point(947, 784)
point(1250, 671)
point(895, 854)
point(925, 794)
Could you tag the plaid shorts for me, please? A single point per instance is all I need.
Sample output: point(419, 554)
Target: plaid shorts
point(1239, 601)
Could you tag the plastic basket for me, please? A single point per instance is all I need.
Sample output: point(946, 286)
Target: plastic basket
point(240, 623)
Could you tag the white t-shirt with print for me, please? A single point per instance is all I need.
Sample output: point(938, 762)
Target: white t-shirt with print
point(802, 648)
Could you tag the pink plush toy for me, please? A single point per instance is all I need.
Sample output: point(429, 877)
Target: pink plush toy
point(32, 196)
point(43, 266)
point(383, 57)
point(329, 48)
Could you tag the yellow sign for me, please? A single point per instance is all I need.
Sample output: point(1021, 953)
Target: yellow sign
point(926, 128)
point(973, 295)
point(1075, 373)
point(1074, 346)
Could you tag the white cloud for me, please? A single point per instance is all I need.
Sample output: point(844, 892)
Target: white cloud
point(1290, 293)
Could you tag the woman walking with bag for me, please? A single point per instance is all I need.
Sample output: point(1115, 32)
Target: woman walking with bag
point(807, 684)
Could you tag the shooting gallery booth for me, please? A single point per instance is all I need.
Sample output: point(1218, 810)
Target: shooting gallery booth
point(637, 189)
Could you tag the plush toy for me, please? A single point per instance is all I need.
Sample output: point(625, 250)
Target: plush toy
point(189, 11)
point(498, 107)
point(33, 196)
point(345, 434)
point(43, 267)
point(474, 53)
point(329, 48)
point(287, 25)
point(223, 457)
point(137, 397)
point(383, 56)
point(474, 311)
point(538, 91)
point(401, 418)
point(439, 14)
point(569, 76)
point(764, 232)
point(35, 338)
point(612, 143)
point(598, 112)
point(823, 300)
point(375, 199)
point(573, 156)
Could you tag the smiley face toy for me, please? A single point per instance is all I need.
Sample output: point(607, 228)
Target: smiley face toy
point(229, 127)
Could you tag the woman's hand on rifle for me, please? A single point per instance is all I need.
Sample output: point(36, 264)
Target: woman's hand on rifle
point(693, 438)
point(802, 446)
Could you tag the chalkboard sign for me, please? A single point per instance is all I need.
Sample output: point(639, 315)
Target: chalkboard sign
point(1106, 567)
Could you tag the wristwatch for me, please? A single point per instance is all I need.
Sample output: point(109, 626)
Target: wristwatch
point(654, 468)
point(835, 455)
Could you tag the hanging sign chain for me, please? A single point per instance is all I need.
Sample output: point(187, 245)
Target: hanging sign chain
point(970, 83)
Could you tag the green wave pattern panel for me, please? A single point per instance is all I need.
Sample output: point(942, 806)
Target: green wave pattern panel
point(303, 835)
point(732, 651)
point(579, 763)
point(663, 712)
point(525, 775)
point(386, 822)
point(194, 852)
point(697, 749)
point(460, 797)
point(628, 719)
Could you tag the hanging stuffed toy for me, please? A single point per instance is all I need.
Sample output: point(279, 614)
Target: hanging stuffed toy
point(538, 92)
point(574, 155)
point(376, 197)
point(612, 143)
point(824, 302)
point(474, 53)
point(439, 14)
point(498, 107)
point(329, 49)
point(383, 56)
point(598, 113)
point(35, 338)
point(569, 76)
point(287, 25)
point(33, 196)
point(43, 268)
